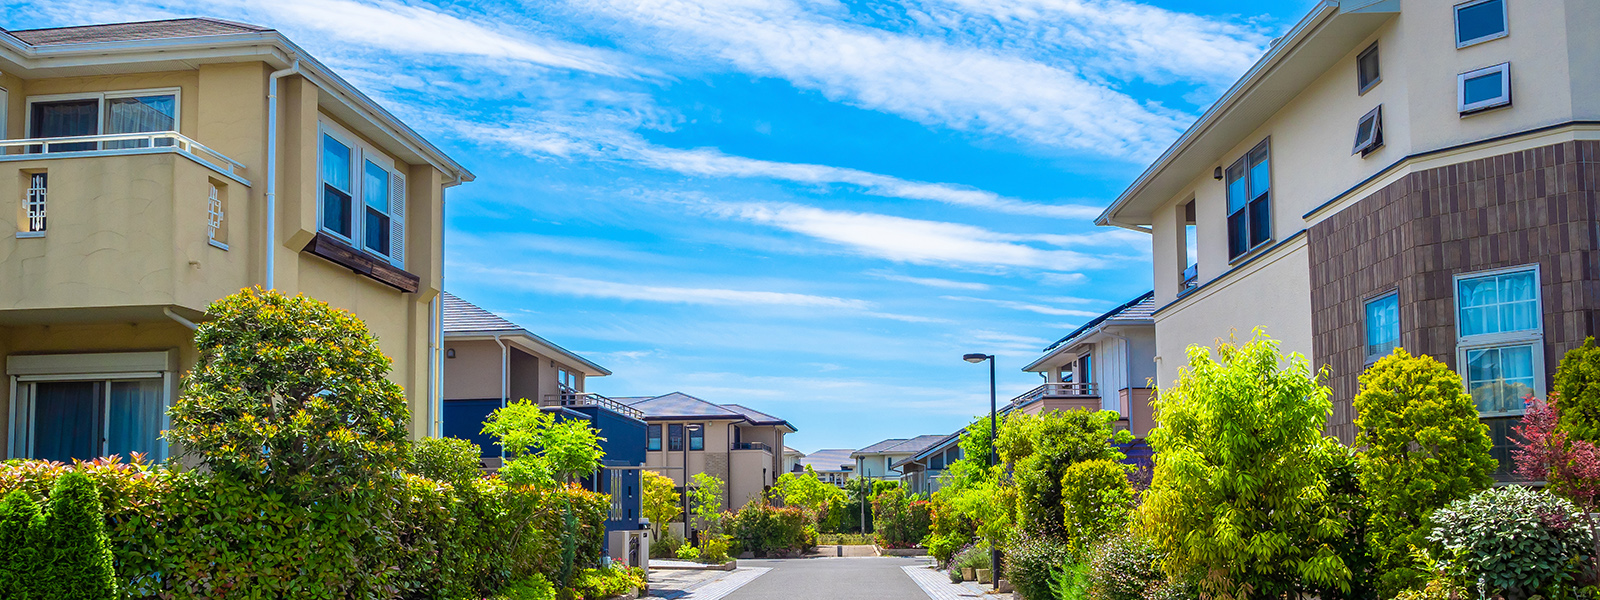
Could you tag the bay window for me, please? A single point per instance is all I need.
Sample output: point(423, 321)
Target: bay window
point(351, 170)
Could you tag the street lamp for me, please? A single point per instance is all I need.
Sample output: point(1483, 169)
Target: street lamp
point(994, 457)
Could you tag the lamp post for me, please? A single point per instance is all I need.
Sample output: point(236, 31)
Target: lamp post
point(994, 457)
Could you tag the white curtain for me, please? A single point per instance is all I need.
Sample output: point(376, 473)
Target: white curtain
point(143, 114)
point(135, 418)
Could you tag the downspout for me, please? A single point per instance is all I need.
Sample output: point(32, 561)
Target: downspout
point(272, 169)
point(437, 325)
point(179, 318)
point(505, 382)
point(434, 368)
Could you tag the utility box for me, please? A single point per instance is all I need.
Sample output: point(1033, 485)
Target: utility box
point(631, 547)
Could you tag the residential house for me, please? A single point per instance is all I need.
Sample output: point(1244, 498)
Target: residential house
point(877, 461)
point(832, 466)
point(204, 156)
point(1392, 173)
point(791, 459)
point(490, 361)
point(1106, 364)
point(739, 445)
point(921, 473)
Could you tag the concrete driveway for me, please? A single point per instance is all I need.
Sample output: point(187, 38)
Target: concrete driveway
point(872, 578)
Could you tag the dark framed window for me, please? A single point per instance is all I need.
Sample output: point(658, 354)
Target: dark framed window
point(697, 437)
point(1369, 132)
point(1250, 201)
point(336, 187)
point(653, 442)
point(1367, 72)
point(675, 437)
point(1479, 21)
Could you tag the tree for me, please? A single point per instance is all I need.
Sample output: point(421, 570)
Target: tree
point(1571, 467)
point(804, 490)
point(705, 501)
point(543, 450)
point(1423, 449)
point(1095, 499)
point(1239, 494)
point(290, 390)
point(23, 548)
point(1040, 450)
point(660, 500)
point(81, 567)
point(1577, 381)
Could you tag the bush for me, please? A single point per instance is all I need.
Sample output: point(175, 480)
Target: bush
point(1547, 452)
point(23, 548)
point(449, 460)
point(687, 552)
point(666, 546)
point(949, 530)
point(1041, 448)
point(900, 520)
point(1124, 566)
point(292, 391)
point(1240, 491)
point(1521, 542)
point(976, 556)
point(597, 584)
point(81, 564)
point(532, 588)
point(1095, 500)
point(1030, 561)
point(769, 531)
point(1577, 380)
point(1070, 582)
point(1424, 448)
point(714, 549)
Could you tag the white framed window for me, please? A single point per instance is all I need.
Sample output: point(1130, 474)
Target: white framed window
point(1367, 73)
point(1250, 201)
point(84, 406)
point(97, 113)
point(1500, 338)
point(1382, 326)
point(362, 195)
point(1369, 132)
point(1479, 21)
point(1483, 89)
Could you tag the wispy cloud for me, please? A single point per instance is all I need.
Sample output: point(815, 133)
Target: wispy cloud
point(927, 80)
point(933, 282)
point(1027, 306)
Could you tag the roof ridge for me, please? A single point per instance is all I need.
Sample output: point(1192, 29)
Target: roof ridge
point(146, 22)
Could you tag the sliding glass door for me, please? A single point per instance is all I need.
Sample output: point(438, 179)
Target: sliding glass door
point(66, 420)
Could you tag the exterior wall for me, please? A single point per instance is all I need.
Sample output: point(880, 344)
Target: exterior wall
point(1535, 206)
point(745, 473)
point(475, 371)
point(872, 465)
point(1143, 415)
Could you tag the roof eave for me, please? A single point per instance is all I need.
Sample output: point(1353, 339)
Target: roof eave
point(536, 344)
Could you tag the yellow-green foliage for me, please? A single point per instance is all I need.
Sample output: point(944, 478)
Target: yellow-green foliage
point(660, 501)
point(1423, 449)
point(1577, 381)
point(532, 588)
point(1040, 449)
point(542, 450)
point(1239, 493)
point(598, 584)
point(290, 390)
point(1095, 500)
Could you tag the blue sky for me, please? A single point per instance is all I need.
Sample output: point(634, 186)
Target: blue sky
point(810, 207)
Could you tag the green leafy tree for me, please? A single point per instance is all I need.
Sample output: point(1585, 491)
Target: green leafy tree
point(1423, 449)
point(805, 490)
point(1239, 494)
point(1040, 450)
point(543, 451)
point(660, 501)
point(81, 566)
point(705, 501)
point(1095, 500)
point(292, 390)
point(23, 550)
point(450, 460)
point(1577, 381)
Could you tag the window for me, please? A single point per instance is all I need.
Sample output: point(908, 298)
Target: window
point(1249, 201)
point(1500, 347)
point(1189, 278)
point(353, 170)
point(1483, 89)
point(1369, 132)
point(90, 405)
point(654, 440)
point(71, 115)
point(675, 437)
point(1383, 326)
point(1367, 74)
point(697, 437)
point(1480, 21)
point(37, 196)
point(1498, 304)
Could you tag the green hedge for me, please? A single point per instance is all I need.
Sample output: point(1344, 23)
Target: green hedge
point(180, 535)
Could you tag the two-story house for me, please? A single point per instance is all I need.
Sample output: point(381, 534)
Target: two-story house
point(1392, 173)
point(1107, 363)
point(149, 169)
point(921, 473)
point(738, 445)
point(878, 460)
point(832, 465)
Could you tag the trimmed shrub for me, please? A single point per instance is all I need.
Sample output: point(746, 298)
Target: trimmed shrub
point(1042, 448)
point(606, 582)
point(449, 460)
point(1519, 542)
point(1095, 500)
point(81, 564)
point(1424, 448)
point(1124, 566)
point(532, 588)
point(1031, 561)
point(768, 530)
point(1577, 380)
point(23, 552)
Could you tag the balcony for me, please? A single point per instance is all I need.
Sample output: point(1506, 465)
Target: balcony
point(116, 227)
point(751, 446)
point(570, 398)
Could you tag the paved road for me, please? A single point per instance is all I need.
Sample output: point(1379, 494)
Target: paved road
point(871, 578)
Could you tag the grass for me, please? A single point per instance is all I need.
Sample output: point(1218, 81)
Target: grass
point(845, 539)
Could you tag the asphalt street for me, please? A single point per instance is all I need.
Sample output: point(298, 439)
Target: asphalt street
point(871, 578)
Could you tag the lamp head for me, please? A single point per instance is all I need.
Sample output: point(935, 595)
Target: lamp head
point(976, 358)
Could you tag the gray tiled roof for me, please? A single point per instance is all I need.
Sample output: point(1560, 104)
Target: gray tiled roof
point(461, 316)
point(144, 30)
point(880, 446)
point(679, 404)
point(917, 444)
point(755, 416)
point(1138, 310)
point(828, 460)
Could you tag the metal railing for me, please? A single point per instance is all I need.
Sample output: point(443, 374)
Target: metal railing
point(1058, 390)
point(90, 145)
point(571, 398)
point(752, 446)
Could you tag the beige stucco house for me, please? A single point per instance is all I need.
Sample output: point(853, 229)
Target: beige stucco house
point(1107, 363)
point(878, 460)
point(736, 444)
point(205, 157)
point(1411, 173)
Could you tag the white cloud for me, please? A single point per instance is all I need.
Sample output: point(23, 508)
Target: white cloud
point(1027, 306)
point(926, 80)
point(948, 284)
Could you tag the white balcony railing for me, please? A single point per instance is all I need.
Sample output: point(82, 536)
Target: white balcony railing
point(572, 398)
point(121, 143)
point(1058, 390)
